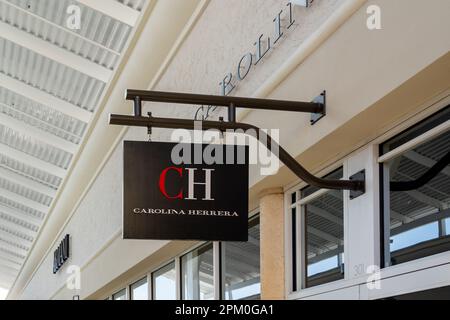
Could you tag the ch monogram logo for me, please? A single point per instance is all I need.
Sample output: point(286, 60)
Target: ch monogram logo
point(192, 183)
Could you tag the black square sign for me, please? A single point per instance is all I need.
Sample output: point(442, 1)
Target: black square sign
point(163, 200)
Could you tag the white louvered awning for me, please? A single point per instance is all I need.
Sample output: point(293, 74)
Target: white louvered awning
point(52, 79)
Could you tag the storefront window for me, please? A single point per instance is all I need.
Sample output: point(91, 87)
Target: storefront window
point(139, 290)
point(242, 266)
point(197, 274)
point(121, 295)
point(416, 191)
point(164, 283)
point(239, 270)
point(323, 234)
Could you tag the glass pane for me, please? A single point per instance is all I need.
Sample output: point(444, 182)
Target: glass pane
point(164, 283)
point(323, 266)
point(242, 263)
point(139, 290)
point(197, 274)
point(416, 131)
point(417, 204)
point(415, 236)
point(324, 238)
point(447, 226)
point(335, 175)
point(121, 295)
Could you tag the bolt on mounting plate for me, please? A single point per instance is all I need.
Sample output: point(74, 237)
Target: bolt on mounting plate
point(322, 99)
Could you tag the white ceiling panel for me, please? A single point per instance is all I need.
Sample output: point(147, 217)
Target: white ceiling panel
point(52, 78)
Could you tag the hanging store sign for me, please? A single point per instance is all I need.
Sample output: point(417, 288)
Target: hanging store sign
point(61, 254)
point(164, 200)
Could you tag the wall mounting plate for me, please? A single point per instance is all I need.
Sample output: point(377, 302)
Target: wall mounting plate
point(360, 176)
point(322, 99)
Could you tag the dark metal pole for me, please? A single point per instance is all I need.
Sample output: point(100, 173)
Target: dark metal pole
point(137, 106)
point(232, 113)
point(226, 101)
point(284, 156)
point(424, 179)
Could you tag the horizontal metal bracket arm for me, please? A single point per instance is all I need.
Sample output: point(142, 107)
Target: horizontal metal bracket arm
point(317, 107)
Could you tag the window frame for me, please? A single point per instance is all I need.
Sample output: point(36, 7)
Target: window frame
point(199, 247)
point(218, 261)
point(136, 283)
point(296, 279)
point(254, 215)
point(159, 268)
point(384, 158)
point(118, 292)
point(402, 272)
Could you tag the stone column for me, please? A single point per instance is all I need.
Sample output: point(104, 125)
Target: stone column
point(272, 244)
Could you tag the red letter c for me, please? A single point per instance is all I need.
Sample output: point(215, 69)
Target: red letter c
point(162, 183)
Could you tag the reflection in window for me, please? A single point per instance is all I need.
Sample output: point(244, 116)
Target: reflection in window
point(324, 234)
point(414, 236)
point(416, 214)
point(164, 283)
point(197, 274)
point(447, 226)
point(324, 265)
point(139, 290)
point(121, 295)
point(241, 266)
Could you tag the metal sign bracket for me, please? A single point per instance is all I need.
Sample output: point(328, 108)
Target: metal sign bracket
point(322, 99)
point(360, 176)
point(317, 108)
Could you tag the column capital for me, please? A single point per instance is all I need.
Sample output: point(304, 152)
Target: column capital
point(270, 191)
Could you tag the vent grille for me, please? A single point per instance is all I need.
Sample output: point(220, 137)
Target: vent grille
point(49, 76)
point(134, 4)
point(34, 147)
point(13, 244)
point(30, 172)
point(95, 26)
point(12, 253)
point(18, 206)
point(41, 117)
point(17, 234)
point(25, 192)
point(18, 222)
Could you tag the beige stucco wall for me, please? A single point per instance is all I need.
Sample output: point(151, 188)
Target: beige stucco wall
point(357, 67)
point(226, 31)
